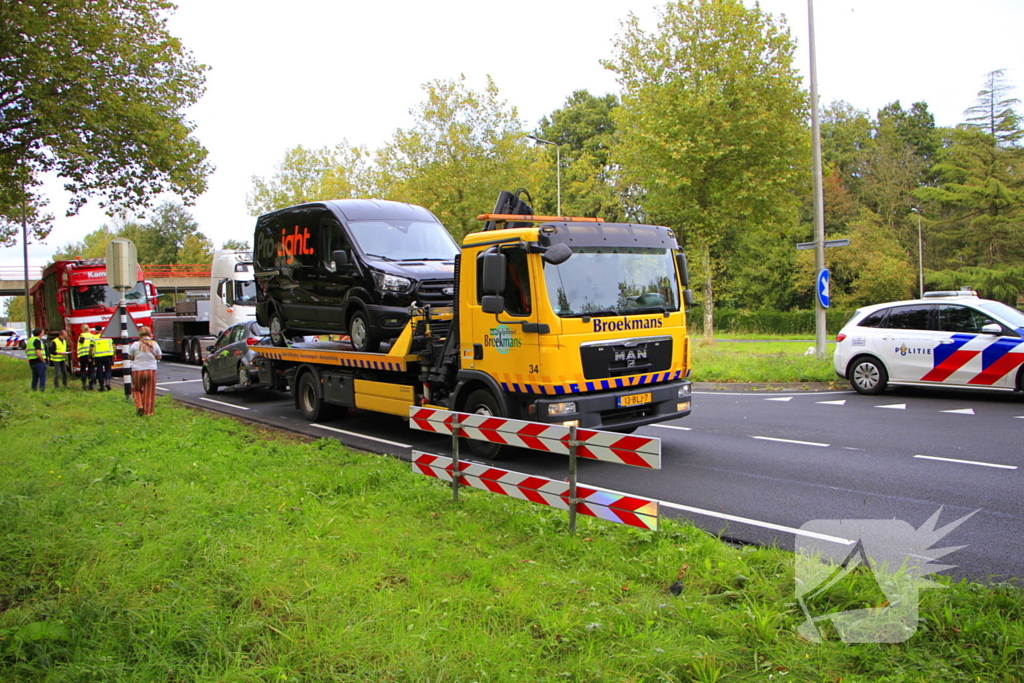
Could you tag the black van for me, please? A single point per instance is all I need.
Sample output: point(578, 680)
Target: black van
point(350, 266)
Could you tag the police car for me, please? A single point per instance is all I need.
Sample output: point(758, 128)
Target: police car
point(12, 339)
point(944, 339)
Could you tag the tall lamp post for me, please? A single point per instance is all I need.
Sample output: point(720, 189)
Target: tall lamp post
point(920, 256)
point(558, 165)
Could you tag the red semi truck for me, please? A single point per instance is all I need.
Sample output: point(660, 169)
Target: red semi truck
point(74, 292)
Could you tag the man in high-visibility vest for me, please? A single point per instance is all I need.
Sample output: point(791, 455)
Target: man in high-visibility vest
point(35, 352)
point(103, 356)
point(85, 364)
point(59, 359)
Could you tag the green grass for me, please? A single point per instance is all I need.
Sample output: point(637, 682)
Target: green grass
point(760, 361)
point(195, 548)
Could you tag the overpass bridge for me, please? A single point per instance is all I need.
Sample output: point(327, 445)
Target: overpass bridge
point(164, 277)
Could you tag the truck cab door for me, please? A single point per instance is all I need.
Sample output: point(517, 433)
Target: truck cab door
point(506, 345)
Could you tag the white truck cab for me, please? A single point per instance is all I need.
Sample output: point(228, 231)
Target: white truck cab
point(232, 289)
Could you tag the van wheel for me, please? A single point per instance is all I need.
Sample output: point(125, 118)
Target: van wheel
point(312, 406)
point(868, 375)
point(277, 330)
point(209, 386)
point(359, 333)
point(482, 402)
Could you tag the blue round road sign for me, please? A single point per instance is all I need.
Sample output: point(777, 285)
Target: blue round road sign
point(822, 288)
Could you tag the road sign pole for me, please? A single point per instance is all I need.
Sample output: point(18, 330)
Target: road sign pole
point(573, 500)
point(455, 457)
point(126, 363)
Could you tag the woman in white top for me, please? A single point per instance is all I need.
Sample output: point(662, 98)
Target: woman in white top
point(144, 354)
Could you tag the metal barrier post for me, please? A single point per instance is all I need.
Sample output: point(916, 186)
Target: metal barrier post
point(573, 500)
point(455, 457)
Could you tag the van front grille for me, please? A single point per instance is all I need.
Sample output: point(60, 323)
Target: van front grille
point(436, 293)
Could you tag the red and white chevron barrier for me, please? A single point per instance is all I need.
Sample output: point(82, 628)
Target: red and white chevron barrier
point(625, 449)
point(613, 507)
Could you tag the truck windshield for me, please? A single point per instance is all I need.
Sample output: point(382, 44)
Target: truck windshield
point(613, 281)
point(96, 296)
point(405, 240)
point(245, 293)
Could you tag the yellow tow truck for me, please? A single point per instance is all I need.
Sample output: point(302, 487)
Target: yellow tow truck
point(555, 319)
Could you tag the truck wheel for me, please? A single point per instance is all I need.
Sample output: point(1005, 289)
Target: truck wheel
point(244, 378)
point(186, 350)
point(209, 386)
point(277, 330)
point(197, 351)
point(482, 402)
point(868, 375)
point(313, 407)
point(359, 333)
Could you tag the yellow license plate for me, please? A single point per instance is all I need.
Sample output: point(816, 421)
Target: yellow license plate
point(634, 400)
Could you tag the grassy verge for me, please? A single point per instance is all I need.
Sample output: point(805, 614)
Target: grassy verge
point(193, 548)
point(767, 361)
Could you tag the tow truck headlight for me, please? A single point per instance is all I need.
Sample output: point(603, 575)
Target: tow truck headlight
point(684, 391)
point(563, 408)
point(391, 283)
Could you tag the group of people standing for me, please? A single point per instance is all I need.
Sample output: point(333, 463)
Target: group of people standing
point(96, 363)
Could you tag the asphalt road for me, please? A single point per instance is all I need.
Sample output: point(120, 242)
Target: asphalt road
point(755, 467)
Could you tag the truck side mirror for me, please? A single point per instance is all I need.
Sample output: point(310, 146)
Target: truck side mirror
point(493, 303)
point(688, 298)
point(684, 269)
point(493, 280)
point(557, 254)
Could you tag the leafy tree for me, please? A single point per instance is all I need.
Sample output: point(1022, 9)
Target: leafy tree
point(584, 130)
point(14, 309)
point(307, 175)
point(463, 148)
point(197, 248)
point(93, 245)
point(711, 124)
point(94, 92)
point(237, 245)
point(994, 113)
point(1002, 284)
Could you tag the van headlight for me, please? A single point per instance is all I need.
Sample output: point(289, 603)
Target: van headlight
point(391, 283)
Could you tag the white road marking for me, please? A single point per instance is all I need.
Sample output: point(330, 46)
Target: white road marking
point(685, 429)
point(755, 522)
point(832, 403)
point(786, 398)
point(802, 443)
point(895, 406)
point(178, 381)
point(361, 436)
point(962, 411)
point(229, 405)
point(968, 462)
point(180, 365)
point(757, 394)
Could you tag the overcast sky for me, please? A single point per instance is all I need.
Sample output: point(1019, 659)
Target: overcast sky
point(314, 72)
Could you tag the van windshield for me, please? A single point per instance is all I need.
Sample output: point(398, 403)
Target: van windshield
point(404, 240)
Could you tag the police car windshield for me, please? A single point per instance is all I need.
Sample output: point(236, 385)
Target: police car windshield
point(404, 240)
point(1001, 310)
point(95, 296)
point(603, 281)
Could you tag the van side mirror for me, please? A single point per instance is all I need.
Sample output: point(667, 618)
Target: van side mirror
point(684, 269)
point(556, 254)
point(339, 262)
point(493, 280)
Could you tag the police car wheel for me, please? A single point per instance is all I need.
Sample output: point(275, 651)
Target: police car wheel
point(868, 376)
point(482, 402)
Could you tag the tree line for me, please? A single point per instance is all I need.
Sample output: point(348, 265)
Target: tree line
point(708, 134)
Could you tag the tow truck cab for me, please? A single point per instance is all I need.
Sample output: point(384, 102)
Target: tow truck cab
point(573, 321)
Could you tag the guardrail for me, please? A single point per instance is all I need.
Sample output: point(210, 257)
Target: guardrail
point(18, 272)
point(176, 270)
point(639, 451)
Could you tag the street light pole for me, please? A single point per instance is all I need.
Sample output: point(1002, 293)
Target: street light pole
point(920, 256)
point(558, 166)
point(24, 239)
point(820, 319)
